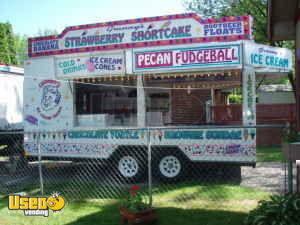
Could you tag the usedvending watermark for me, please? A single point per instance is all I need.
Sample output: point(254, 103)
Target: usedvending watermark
point(36, 206)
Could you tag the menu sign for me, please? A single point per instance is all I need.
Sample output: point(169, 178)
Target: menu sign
point(145, 32)
point(264, 56)
point(96, 64)
point(183, 58)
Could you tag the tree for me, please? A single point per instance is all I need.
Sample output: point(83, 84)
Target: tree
point(46, 32)
point(21, 48)
point(256, 8)
point(207, 8)
point(7, 44)
point(21, 44)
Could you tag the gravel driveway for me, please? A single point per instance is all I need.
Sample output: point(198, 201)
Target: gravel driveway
point(266, 176)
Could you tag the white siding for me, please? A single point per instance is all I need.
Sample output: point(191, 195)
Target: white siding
point(11, 101)
point(276, 97)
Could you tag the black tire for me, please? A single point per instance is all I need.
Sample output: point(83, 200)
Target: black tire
point(13, 143)
point(23, 164)
point(230, 173)
point(169, 165)
point(130, 166)
point(236, 172)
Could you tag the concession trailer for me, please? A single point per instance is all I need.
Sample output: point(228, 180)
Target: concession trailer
point(110, 90)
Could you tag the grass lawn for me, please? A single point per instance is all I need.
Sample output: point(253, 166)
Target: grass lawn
point(269, 154)
point(189, 203)
point(184, 204)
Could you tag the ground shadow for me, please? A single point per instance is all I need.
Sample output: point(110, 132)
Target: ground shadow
point(3, 202)
point(109, 215)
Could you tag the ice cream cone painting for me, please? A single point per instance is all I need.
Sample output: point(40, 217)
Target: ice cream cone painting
point(89, 66)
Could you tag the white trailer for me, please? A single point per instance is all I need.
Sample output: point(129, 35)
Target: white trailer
point(11, 98)
point(107, 90)
point(11, 109)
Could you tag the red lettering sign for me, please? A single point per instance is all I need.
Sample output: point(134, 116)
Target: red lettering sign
point(214, 56)
point(154, 59)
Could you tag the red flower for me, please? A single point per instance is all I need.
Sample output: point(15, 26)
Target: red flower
point(134, 189)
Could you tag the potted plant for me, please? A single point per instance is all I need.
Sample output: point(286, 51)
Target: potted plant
point(135, 209)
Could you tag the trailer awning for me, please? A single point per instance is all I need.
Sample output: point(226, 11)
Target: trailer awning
point(205, 80)
point(194, 75)
point(208, 76)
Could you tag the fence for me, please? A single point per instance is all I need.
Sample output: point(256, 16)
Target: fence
point(185, 172)
point(265, 113)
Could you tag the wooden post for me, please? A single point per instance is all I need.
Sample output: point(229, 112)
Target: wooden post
point(141, 105)
point(297, 69)
point(290, 177)
point(298, 176)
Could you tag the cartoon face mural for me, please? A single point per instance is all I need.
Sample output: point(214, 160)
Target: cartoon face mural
point(50, 99)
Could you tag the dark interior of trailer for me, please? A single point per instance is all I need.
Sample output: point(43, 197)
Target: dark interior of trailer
point(168, 102)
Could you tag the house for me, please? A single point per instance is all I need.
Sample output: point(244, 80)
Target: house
point(275, 94)
point(283, 24)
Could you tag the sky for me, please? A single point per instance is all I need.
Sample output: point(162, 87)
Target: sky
point(31, 16)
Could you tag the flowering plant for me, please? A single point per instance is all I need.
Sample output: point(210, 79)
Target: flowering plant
point(291, 133)
point(135, 201)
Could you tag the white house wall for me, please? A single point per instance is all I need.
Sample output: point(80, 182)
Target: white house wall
point(276, 97)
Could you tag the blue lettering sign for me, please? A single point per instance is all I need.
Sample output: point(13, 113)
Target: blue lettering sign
point(224, 134)
point(105, 134)
point(269, 60)
point(221, 29)
point(45, 45)
point(183, 134)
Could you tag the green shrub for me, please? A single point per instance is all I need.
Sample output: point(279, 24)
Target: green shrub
point(279, 210)
point(235, 99)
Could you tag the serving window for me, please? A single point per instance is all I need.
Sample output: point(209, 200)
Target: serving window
point(187, 98)
point(157, 107)
point(106, 104)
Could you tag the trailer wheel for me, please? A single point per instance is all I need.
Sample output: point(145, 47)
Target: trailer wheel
point(130, 167)
point(232, 172)
point(17, 164)
point(169, 166)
